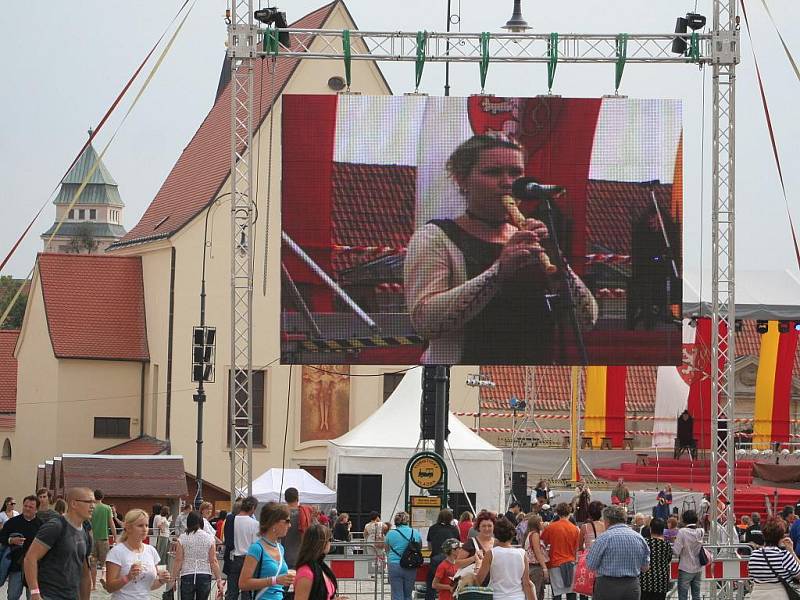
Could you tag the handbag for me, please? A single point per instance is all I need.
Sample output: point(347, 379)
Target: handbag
point(704, 557)
point(791, 591)
point(583, 583)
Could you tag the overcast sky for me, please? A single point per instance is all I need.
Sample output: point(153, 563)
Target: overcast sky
point(64, 65)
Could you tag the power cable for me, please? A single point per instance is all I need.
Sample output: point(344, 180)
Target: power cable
point(362, 374)
point(286, 429)
point(458, 476)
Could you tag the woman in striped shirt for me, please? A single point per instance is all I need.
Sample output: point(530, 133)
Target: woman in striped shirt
point(773, 563)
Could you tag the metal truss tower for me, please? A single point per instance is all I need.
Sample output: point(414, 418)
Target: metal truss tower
point(725, 53)
point(720, 49)
point(241, 50)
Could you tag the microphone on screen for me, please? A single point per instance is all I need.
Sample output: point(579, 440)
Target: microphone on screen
point(527, 188)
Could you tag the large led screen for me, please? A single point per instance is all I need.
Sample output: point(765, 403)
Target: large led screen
point(481, 230)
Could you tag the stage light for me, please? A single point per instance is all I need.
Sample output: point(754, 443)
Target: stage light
point(517, 24)
point(762, 327)
point(784, 326)
point(738, 325)
point(272, 16)
point(754, 451)
point(797, 325)
point(695, 21)
point(693, 322)
point(785, 451)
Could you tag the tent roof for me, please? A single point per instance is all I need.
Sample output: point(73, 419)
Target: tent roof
point(760, 294)
point(396, 423)
point(268, 488)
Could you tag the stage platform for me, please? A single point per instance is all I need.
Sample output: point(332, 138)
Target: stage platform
point(690, 479)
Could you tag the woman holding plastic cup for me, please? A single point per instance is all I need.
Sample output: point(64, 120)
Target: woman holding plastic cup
point(131, 565)
point(265, 567)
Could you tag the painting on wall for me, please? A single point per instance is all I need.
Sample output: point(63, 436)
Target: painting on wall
point(325, 402)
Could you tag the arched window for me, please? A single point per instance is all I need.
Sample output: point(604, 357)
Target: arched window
point(7, 449)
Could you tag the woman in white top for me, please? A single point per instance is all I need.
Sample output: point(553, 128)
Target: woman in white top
point(206, 510)
point(507, 567)
point(131, 565)
point(196, 561)
point(7, 511)
point(773, 563)
point(161, 525)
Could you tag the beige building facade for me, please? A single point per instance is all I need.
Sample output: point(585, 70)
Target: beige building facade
point(59, 399)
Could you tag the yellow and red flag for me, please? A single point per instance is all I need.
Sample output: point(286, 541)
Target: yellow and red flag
point(604, 406)
point(774, 386)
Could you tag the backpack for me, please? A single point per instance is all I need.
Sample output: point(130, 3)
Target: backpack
point(412, 555)
point(305, 518)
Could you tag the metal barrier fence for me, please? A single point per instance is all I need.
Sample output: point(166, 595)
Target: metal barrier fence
point(361, 570)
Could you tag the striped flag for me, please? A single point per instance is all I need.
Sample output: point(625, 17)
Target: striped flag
point(604, 414)
point(774, 386)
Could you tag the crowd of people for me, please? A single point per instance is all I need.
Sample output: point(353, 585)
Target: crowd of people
point(65, 554)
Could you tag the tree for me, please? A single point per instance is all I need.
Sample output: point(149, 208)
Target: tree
point(8, 288)
point(83, 240)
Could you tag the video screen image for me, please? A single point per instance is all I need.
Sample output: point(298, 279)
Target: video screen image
point(481, 230)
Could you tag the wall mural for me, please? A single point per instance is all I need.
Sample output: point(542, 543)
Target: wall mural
point(325, 402)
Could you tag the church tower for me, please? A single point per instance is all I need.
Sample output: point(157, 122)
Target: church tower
point(95, 221)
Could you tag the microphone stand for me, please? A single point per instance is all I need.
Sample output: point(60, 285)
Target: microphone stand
point(563, 265)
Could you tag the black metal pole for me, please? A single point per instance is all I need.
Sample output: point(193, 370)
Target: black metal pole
point(442, 387)
point(447, 52)
point(200, 396)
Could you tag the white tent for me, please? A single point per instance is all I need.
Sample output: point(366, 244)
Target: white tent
point(760, 294)
point(383, 443)
point(268, 488)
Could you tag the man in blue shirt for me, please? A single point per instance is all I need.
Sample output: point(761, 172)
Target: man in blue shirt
point(618, 556)
point(794, 533)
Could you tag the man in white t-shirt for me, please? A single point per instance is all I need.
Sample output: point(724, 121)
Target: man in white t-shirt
point(245, 532)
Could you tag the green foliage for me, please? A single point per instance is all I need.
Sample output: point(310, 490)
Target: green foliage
point(8, 288)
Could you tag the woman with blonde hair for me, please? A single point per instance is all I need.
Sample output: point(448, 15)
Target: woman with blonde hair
point(268, 554)
point(131, 565)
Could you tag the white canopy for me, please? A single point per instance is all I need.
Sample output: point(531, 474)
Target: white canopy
point(268, 488)
point(383, 443)
point(760, 294)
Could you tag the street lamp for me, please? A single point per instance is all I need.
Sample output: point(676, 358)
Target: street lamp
point(517, 24)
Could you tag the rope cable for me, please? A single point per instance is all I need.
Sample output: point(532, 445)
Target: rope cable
point(94, 133)
point(286, 429)
point(771, 131)
point(95, 166)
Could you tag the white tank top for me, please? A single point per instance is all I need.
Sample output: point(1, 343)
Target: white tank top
point(508, 565)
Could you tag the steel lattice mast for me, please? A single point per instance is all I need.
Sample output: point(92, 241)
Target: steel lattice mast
point(720, 49)
point(725, 48)
point(241, 50)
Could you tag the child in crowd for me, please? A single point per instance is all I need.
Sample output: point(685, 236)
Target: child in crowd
point(443, 580)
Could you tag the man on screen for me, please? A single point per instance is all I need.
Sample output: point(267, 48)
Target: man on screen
point(477, 287)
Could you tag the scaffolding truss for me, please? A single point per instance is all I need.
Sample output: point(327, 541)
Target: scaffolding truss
point(719, 49)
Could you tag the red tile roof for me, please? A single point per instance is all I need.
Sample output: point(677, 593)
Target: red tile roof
point(142, 445)
point(373, 205)
point(205, 163)
point(552, 384)
point(8, 422)
point(611, 208)
point(123, 476)
point(95, 306)
point(8, 370)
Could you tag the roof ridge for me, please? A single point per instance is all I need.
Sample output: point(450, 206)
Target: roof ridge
point(170, 198)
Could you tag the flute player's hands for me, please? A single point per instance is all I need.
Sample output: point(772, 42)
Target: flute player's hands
point(522, 249)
